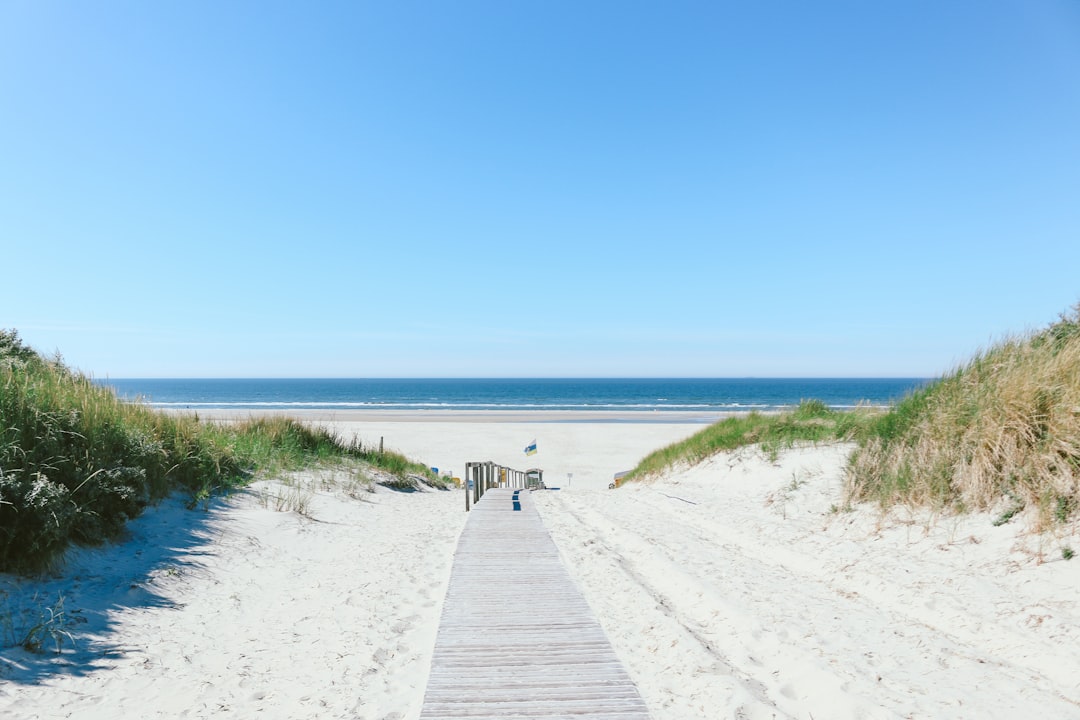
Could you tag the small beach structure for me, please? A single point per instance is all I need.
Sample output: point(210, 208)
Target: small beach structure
point(617, 481)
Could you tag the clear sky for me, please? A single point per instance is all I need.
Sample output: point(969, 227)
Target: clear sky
point(362, 189)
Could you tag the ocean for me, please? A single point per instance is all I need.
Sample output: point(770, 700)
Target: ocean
point(708, 395)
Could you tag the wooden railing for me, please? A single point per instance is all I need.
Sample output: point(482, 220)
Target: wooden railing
point(481, 476)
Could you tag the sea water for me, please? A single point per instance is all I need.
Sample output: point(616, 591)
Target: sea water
point(697, 395)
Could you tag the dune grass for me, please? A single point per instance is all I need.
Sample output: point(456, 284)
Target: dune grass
point(811, 421)
point(76, 462)
point(1001, 431)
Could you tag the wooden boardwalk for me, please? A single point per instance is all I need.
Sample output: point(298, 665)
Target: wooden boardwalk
point(517, 639)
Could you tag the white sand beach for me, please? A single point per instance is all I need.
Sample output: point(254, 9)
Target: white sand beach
point(737, 588)
point(592, 451)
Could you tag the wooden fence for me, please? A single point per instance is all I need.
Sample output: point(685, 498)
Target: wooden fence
point(482, 476)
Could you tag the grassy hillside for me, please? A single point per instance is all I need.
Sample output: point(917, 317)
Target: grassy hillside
point(811, 421)
point(1005, 427)
point(1003, 430)
point(76, 462)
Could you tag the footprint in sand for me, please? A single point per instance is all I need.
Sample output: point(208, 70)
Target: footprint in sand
point(382, 656)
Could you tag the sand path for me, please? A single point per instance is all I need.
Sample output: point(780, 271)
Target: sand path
point(733, 590)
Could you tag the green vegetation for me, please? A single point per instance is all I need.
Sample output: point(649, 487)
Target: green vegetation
point(76, 462)
point(811, 421)
point(51, 624)
point(1004, 428)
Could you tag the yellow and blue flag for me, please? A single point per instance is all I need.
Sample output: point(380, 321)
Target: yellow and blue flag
point(530, 449)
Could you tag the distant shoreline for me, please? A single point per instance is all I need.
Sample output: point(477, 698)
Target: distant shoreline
point(515, 400)
point(468, 416)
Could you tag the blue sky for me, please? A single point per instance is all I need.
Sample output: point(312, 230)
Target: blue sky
point(269, 189)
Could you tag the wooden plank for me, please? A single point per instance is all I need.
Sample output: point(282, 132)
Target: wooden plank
point(516, 637)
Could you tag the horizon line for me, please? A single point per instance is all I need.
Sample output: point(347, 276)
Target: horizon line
point(518, 377)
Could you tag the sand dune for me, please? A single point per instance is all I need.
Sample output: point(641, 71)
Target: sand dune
point(736, 589)
point(243, 611)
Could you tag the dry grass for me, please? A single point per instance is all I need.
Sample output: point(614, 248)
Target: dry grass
point(1001, 432)
point(285, 497)
point(295, 491)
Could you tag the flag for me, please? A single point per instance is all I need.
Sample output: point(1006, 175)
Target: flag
point(531, 448)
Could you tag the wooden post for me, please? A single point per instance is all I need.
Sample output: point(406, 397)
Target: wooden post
point(380, 444)
point(468, 474)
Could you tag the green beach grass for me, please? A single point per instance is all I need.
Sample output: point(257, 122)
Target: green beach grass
point(812, 421)
point(76, 462)
point(1003, 430)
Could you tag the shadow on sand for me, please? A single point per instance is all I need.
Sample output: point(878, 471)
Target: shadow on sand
point(98, 586)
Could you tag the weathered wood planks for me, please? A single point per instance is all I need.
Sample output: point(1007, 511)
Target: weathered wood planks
point(517, 639)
